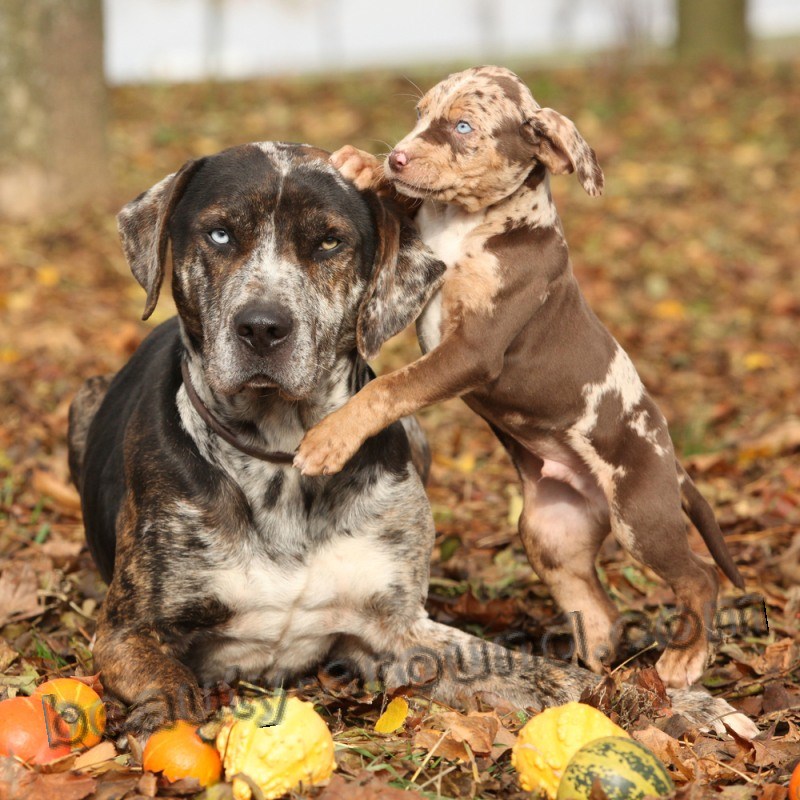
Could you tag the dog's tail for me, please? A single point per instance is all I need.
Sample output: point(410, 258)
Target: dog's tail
point(707, 712)
point(81, 414)
point(700, 513)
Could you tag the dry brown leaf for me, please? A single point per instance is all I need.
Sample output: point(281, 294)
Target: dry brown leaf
point(61, 550)
point(19, 595)
point(777, 657)
point(439, 743)
point(781, 438)
point(148, 785)
point(94, 756)
point(773, 753)
point(114, 785)
point(7, 655)
point(365, 786)
point(477, 729)
point(61, 493)
point(776, 698)
point(38, 786)
point(496, 614)
point(666, 749)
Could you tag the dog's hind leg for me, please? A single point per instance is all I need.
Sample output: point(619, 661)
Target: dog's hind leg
point(452, 666)
point(81, 413)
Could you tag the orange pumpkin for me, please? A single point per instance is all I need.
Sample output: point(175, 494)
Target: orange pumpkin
point(794, 784)
point(26, 733)
point(178, 752)
point(79, 706)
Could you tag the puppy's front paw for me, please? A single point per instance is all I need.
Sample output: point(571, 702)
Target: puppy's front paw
point(327, 447)
point(358, 166)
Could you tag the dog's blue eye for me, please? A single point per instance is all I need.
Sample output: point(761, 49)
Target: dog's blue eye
point(462, 126)
point(219, 236)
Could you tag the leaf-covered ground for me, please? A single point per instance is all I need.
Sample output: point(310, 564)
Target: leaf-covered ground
point(691, 259)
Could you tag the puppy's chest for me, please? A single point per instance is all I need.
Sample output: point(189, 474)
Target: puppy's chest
point(471, 281)
point(448, 231)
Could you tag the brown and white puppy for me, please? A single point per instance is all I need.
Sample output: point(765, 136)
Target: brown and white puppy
point(511, 333)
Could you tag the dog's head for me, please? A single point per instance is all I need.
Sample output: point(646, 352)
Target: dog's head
point(280, 266)
point(479, 134)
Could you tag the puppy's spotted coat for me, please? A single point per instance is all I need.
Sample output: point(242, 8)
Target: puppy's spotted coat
point(511, 333)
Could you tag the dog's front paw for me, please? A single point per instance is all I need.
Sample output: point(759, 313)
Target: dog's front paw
point(358, 166)
point(328, 446)
point(157, 711)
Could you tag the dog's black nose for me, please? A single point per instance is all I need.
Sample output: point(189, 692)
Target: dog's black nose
point(262, 327)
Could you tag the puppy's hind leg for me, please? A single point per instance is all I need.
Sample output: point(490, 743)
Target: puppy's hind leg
point(648, 522)
point(562, 532)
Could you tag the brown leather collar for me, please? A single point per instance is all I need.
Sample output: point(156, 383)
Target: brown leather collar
point(224, 432)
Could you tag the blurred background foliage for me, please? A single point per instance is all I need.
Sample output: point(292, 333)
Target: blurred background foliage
point(690, 258)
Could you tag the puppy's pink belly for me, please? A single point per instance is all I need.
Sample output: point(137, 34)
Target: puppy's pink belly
point(580, 479)
point(561, 472)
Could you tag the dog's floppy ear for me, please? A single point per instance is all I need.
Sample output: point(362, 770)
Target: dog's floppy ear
point(405, 274)
point(143, 230)
point(559, 146)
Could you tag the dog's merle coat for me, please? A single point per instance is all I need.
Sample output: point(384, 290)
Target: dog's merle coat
point(221, 566)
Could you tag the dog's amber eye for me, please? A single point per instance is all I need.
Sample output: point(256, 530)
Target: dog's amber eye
point(329, 243)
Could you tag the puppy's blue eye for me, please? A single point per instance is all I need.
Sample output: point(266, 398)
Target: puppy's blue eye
point(219, 236)
point(418, 112)
point(462, 126)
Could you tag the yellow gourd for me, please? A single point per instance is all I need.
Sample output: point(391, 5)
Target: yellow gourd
point(548, 741)
point(298, 750)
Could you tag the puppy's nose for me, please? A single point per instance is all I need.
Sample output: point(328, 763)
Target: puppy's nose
point(262, 327)
point(397, 160)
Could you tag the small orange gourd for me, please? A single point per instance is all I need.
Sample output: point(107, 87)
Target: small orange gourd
point(178, 752)
point(794, 784)
point(79, 706)
point(24, 731)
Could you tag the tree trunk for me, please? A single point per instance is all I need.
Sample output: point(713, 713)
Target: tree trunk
point(53, 152)
point(712, 29)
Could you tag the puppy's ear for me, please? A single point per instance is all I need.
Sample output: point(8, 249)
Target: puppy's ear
point(142, 225)
point(404, 276)
point(559, 146)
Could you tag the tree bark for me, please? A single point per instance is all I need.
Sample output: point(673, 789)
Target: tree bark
point(712, 29)
point(53, 150)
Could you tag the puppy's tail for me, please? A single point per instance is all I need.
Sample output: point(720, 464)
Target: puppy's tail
point(700, 513)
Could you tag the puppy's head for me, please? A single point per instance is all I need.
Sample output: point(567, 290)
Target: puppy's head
point(280, 266)
point(479, 134)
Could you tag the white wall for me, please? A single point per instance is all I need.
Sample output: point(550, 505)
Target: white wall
point(191, 39)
